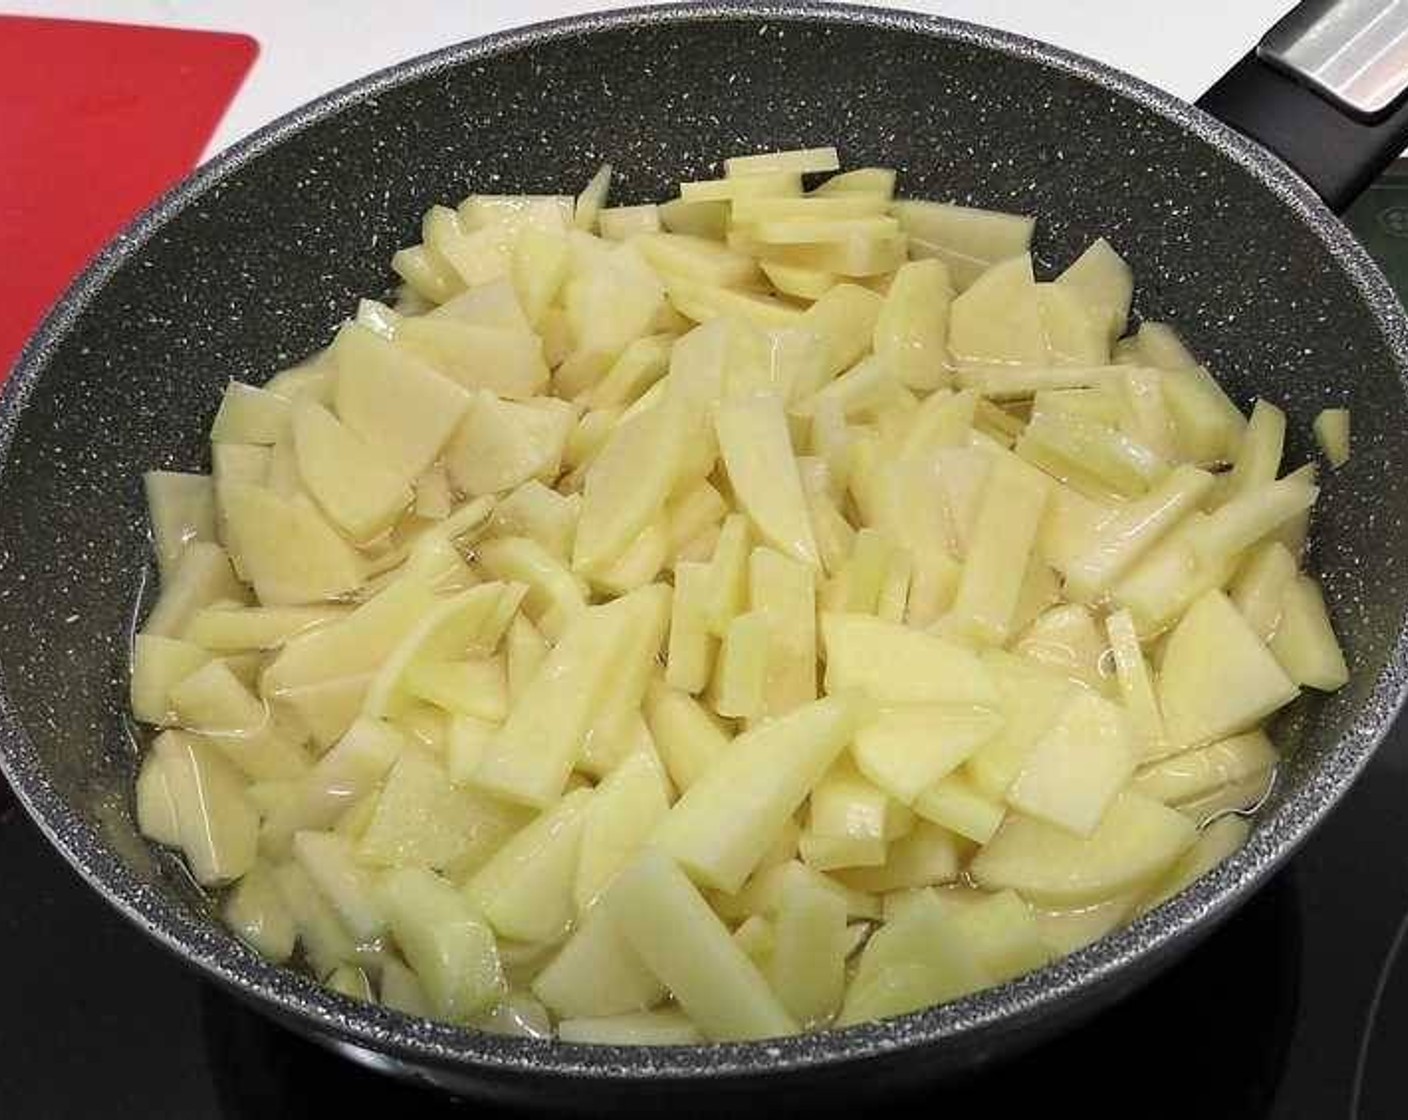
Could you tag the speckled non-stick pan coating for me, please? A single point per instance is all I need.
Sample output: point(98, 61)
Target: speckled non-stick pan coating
point(252, 263)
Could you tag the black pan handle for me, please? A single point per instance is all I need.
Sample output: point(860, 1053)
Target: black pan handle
point(1324, 90)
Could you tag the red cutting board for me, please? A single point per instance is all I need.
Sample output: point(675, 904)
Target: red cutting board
point(96, 120)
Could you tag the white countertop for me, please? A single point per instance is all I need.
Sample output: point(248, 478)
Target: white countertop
point(310, 46)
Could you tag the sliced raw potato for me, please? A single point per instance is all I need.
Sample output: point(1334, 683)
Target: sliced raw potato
point(180, 509)
point(553, 591)
point(1136, 841)
point(287, 549)
point(1104, 281)
point(529, 760)
point(894, 664)
point(1064, 930)
point(918, 958)
point(968, 240)
point(323, 940)
point(1217, 677)
point(501, 444)
point(445, 940)
point(526, 888)
point(619, 499)
point(250, 415)
point(1259, 590)
point(203, 576)
point(1259, 458)
point(906, 749)
point(683, 942)
point(255, 912)
point(1031, 697)
point(159, 665)
point(1161, 586)
point(1141, 705)
point(328, 860)
point(1077, 767)
point(741, 670)
point(361, 493)
point(1193, 774)
point(807, 965)
point(923, 857)
point(911, 332)
point(1332, 434)
point(997, 320)
point(757, 454)
point(1304, 642)
point(994, 569)
point(639, 1028)
point(718, 839)
point(624, 811)
point(955, 804)
point(214, 703)
point(392, 400)
point(847, 804)
point(1254, 514)
point(156, 808)
point(689, 739)
point(1075, 331)
point(476, 687)
point(216, 825)
point(783, 592)
point(1067, 639)
point(597, 973)
point(1004, 933)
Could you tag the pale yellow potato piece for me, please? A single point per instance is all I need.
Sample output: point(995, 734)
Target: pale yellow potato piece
point(529, 760)
point(255, 912)
point(1097, 459)
point(597, 973)
point(202, 576)
point(1133, 530)
point(847, 804)
point(689, 739)
point(1136, 841)
point(844, 319)
point(517, 212)
point(1193, 774)
point(1018, 383)
point(496, 305)
point(1075, 769)
point(217, 705)
point(553, 590)
point(235, 629)
point(250, 415)
point(622, 223)
point(1259, 591)
point(1075, 331)
point(783, 592)
point(217, 827)
point(324, 941)
point(799, 161)
point(807, 965)
point(392, 400)
point(287, 548)
point(476, 687)
point(501, 444)
point(537, 511)
point(1003, 931)
point(526, 889)
point(620, 498)
point(505, 361)
point(824, 852)
point(1240, 797)
point(911, 331)
point(422, 820)
point(327, 859)
point(726, 592)
point(690, 657)
point(641, 365)
point(916, 959)
point(718, 838)
point(741, 669)
point(1209, 425)
point(1252, 515)
point(593, 197)
point(1063, 930)
point(955, 804)
point(1031, 696)
point(894, 664)
point(426, 273)
point(1105, 282)
point(998, 319)
point(351, 769)
point(1067, 639)
point(1136, 683)
point(1259, 458)
point(1332, 434)
point(967, 239)
point(665, 1027)
point(359, 491)
point(156, 807)
point(180, 510)
point(757, 453)
point(698, 259)
point(470, 622)
point(998, 553)
point(1161, 586)
point(924, 856)
point(707, 219)
point(618, 718)
point(762, 895)
point(1304, 642)
point(1217, 677)
point(689, 949)
point(906, 749)
point(769, 184)
point(445, 940)
point(538, 270)
point(624, 811)
point(159, 665)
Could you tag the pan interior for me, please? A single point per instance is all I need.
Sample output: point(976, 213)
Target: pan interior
point(255, 271)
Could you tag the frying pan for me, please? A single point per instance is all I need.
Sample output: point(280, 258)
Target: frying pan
point(250, 264)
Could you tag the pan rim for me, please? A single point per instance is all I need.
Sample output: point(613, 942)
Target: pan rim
point(1159, 934)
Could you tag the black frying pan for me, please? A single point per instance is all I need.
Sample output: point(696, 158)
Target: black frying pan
point(251, 263)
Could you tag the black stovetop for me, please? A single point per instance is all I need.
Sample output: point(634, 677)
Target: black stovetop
point(1297, 1009)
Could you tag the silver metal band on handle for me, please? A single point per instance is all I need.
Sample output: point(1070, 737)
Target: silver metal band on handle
point(1352, 52)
